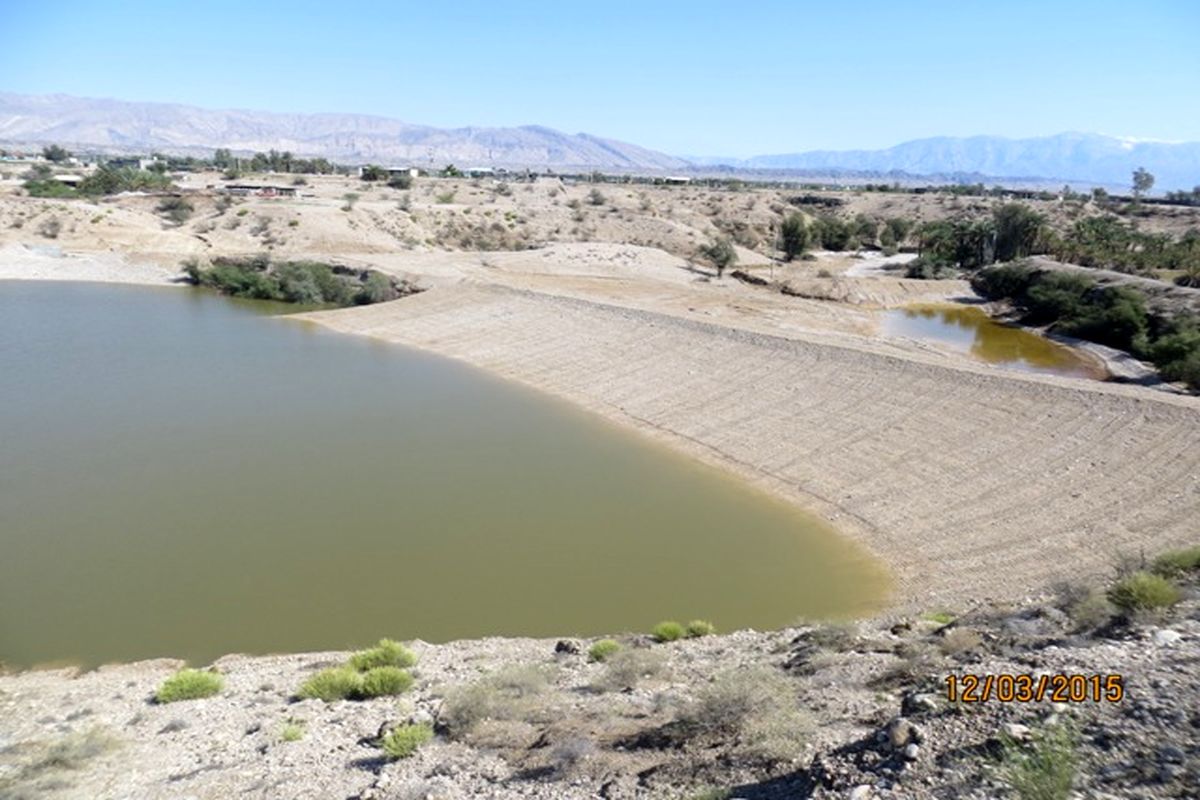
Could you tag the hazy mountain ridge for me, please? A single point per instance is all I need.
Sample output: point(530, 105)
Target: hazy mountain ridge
point(115, 124)
point(1065, 156)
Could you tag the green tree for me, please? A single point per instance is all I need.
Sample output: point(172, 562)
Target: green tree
point(721, 253)
point(793, 236)
point(1018, 229)
point(1143, 181)
point(55, 153)
point(374, 172)
point(451, 171)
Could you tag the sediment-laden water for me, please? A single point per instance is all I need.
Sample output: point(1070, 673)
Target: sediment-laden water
point(970, 330)
point(182, 475)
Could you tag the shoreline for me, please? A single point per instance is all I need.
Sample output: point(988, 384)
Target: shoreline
point(829, 425)
point(50, 263)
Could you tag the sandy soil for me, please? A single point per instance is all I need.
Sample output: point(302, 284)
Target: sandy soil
point(49, 263)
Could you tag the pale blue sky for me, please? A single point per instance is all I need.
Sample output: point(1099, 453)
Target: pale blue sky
point(697, 78)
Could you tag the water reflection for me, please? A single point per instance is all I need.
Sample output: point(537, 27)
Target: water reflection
point(970, 330)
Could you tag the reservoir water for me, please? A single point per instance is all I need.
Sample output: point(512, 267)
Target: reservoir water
point(970, 330)
point(182, 475)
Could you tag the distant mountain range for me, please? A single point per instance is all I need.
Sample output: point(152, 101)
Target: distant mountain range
point(115, 125)
point(118, 126)
point(1077, 157)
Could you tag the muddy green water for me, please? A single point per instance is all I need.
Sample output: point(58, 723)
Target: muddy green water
point(971, 330)
point(181, 475)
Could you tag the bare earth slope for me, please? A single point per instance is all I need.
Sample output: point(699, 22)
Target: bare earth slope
point(968, 483)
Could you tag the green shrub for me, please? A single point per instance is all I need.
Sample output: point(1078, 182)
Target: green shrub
point(384, 681)
point(1177, 562)
point(667, 631)
point(1086, 605)
point(334, 683)
point(387, 653)
point(292, 731)
point(1045, 768)
point(1143, 591)
point(699, 627)
point(940, 617)
point(189, 684)
point(175, 209)
point(49, 188)
point(403, 741)
point(603, 649)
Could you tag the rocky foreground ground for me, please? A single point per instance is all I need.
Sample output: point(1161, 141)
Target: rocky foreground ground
point(847, 710)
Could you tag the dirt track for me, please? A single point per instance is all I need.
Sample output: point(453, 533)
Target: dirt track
point(971, 484)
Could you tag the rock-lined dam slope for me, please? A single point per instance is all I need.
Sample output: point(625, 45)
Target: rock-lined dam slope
point(970, 484)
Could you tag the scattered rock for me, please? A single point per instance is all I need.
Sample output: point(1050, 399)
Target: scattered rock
point(1016, 731)
point(901, 732)
point(566, 646)
point(1165, 637)
point(919, 703)
point(912, 751)
point(861, 792)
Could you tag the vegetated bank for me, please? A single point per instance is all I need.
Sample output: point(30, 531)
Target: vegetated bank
point(1077, 304)
point(310, 283)
point(876, 709)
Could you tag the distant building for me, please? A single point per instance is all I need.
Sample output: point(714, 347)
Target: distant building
point(677, 180)
point(259, 190)
point(479, 172)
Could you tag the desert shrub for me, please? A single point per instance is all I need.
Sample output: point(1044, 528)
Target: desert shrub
point(109, 180)
point(387, 653)
point(721, 253)
point(175, 209)
point(405, 740)
point(959, 640)
point(446, 197)
point(384, 681)
point(505, 695)
point(373, 172)
point(915, 664)
point(49, 188)
point(1175, 350)
point(50, 228)
point(603, 650)
point(292, 731)
point(667, 631)
point(699, 627)
point(596, 197)
point(402, 181)
point(1177, 562)
point(926, 269)
point(70, 752)
point(1086, 606)
point(627, 668)
point(334, 683)
point(793, 236)
point(299, 180)
point(1045, 768)
point(1143, 592)
point(189, 684)
point(376, 288)
point(940, 617)
point(756, 709)
point(830, 233)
